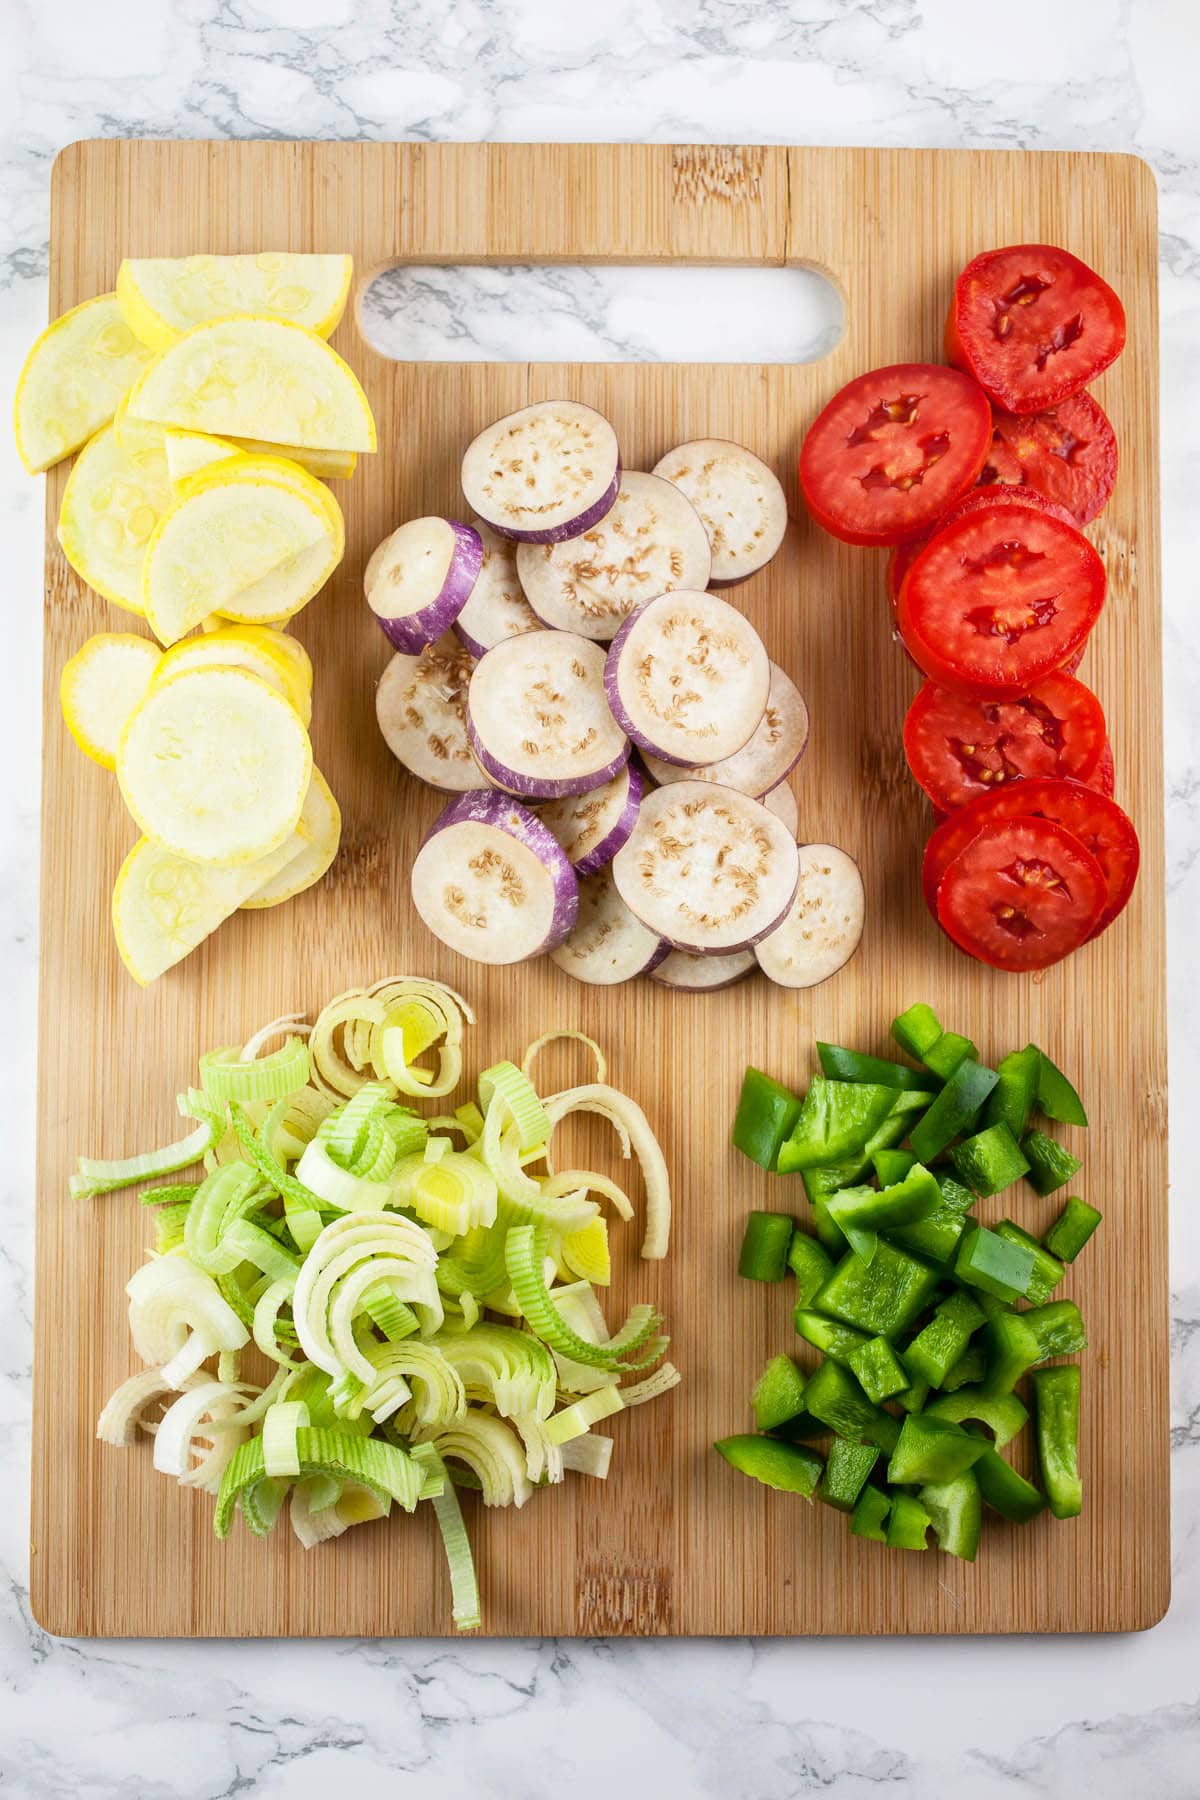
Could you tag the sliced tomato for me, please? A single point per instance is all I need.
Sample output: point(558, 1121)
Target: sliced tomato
point(1104, 776)
point(1033, 325)
point(1097, 821)
point(959, 748)
point(904, 555)
point(999, 599)
point(892, 449)
point(1023, 894)
point(1068, 453)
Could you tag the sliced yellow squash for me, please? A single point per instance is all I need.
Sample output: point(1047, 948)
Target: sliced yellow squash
point(286, 645)
point(188, 452)
point(101, 686)
point(161, 297)
point(252, 647)
point(329, 465)
point(257, 378)
point(215, 765)
point(323, 819)
point(73, 378)
point(164, 905)
point(113, 500)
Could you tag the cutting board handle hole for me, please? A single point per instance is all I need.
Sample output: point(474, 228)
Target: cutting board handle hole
point(668, 312)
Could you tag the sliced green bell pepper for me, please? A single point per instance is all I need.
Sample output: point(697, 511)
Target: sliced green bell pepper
point(1015, 1342)
point(1072, 1229)
point(936, 1348)
point(810, 1263)
point(832, 1237)
point(937, 1237)
point(944, 1056)
point(880, 1297)
point(913, 1397)
point(917, 1030)
point(1047, 1270)
point(1003, 1414)
point(765, 1245)
point(869, 1518)
point(1056, 1098)
point(1004, 1490)
point(847, 1467)
point(1050, 1165)
point(932, 1449)
point(1056, 1403)
point(836, 1122)
point(990, 1161)
point(908, 1524)
point(969, 1370)
point(791, 1468)
point(878, 1368)
point(778, 1394)
point(827, 1335)
point(1059, 1328)
point(833, 1396)
point(766, 1113)
point(868, 1209)
point(852, 1065)
point(990, 1262)
point(956, 1511)
point(1011, 1100)
point(954, 1110)
point(892, 1166)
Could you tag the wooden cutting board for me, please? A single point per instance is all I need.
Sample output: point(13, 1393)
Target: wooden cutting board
point(673, 1543)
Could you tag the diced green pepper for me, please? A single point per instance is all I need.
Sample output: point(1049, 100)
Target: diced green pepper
point(791, 1468)
point(833, 1396)
point(827, 1335)
point(944, 1056)
point(1051, 1166)
point(1056, 1098)
point(831, 1236)
point(908, 1523)
point(1056, 1403)
point(931, 1449)
point(846, 1469)
point(1003, 1414)
point(989, 1161)
point(987, 1261)
point(795, 1431)
point(880, 1297)
point(881, 1209)
point(836, 1122)
point(954, 1110)
point(1011, 1100)
point(917, 1030)
point(778, 1393)
point(1004, 1490)
point(954, 1195)
point(914, 1396)
point(1072, 1229)
point(878, 1368)
point(1047, 1270)
point(1059, 1328)
point(1016, 1342)
point(892, 1166)
point(935, 1238)
point(970, 1369)
point(935, 1350)
point(852, 1065)
point(869, 1518)
point(765, 1246)
point(956, 1511)
point(810, 1264)
point(766, 1113)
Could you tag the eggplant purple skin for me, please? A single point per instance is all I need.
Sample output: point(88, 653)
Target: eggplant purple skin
point(601, 854)
point(484, 806)
point(558, 534)
point(529, 787)
point(468, 642)
point(416, 631)
point(616, 706)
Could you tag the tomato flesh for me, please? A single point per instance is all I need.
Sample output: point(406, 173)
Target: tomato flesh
point(959, 748)
point(892, 449)
point(905, 555)
point(1033, 325)
point(1068, 453)
point(1090, 815)
point(1104, 776)
point(1023, 894)
point(999, 599)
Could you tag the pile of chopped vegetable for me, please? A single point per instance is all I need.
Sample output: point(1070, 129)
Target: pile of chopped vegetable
point(422, 1298)
point(925, 1320)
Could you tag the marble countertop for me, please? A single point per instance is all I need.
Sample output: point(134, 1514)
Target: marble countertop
point(982, 1720)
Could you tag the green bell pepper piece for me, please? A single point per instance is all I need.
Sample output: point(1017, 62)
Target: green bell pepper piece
point(791, 1468)
point(892, 1166)
point(944, 1056)
point(1003, 1414)
point(969, 1370)
point(766, 1113)
point(880, 1297)
point(833, 1396)
point(846, 1469)
point(1016, 1342)
point(990, 1262)
point(914, 1396)
point(852, 1065)
point(878, 1368)
point(1050, 1165)
point(869, 1518)
point(836, 1122)
point(1059, 1328)
point(1005, 1491)
point(917, 1030)
point(778, 1394)
point(932, 1449)
point(1056, 1403)
point(1072, 1229)
point(1011, 1100)
point(954, 1110)
point(908, 1523)
point(1056, 1098)
point(936, 1348)
point(810, 1263)
point(1047, 1270)
point(866, 1209)
point(956, 1510)
point(765, 1245)
point(827, 1335)
point(989, 1161)
point(937, 1237)
point(832, 1238)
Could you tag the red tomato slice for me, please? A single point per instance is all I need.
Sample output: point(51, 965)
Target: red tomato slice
point(999, 599)
point(1023, 894)
point(958, 748)
point(1068, 453)
point(1104, 776)
point(1033, 325)
point(891, 450)
point(904, 555)
point(1097, 821)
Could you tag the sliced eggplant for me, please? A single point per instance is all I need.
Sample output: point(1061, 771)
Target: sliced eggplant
point(707, 868)
point(739, 499)
point(782, 802)
point(497, 608)
point(491, 883)
point(650, 542)
point(420, 578)
point(690, 974)
point(537, 717)
point(421, 705)
point(772, 752)
point(824, 922)
point(592, 827)
point(688, 678)
point(547, 472)
point(608, 943)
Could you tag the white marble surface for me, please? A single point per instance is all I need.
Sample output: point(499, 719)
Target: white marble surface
point(747, 1721)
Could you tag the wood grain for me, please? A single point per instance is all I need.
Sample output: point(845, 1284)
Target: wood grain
point(673, 1543)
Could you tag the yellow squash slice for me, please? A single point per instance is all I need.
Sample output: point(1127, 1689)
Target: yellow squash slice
point(257, 378)
point(188, 452)
point(73, 378)
point(162, 297)
point(102, 685)
point(215, 765)
point(163, 905)
point(112, 502)
point(329, 465)
point(286, 645)
point(323, 819)
point(252, 647)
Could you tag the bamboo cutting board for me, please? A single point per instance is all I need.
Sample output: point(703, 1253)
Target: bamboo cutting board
point(674, 1542)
